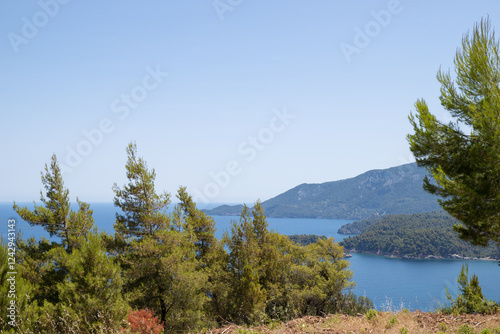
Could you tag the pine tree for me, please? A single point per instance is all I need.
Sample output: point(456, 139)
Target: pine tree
point(158, 254)
point(143, 209)
point(268, 276)
point(90, 296)
point(470, 298)
point(73, 285)
point(199, 223)
point(23, 307)
point(463, 156)
point(55, 215)
point(246, 294)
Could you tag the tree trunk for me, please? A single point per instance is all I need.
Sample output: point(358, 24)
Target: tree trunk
point(163, 309)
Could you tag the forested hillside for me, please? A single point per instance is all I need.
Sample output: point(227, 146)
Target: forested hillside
point(395, 190)
point(415, 236)
point(359, 226)
point(168, 264)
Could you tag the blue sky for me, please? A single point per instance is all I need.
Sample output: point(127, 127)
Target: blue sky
point(235, 99)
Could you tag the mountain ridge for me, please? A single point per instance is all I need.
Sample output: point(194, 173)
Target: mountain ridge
point(395, 190)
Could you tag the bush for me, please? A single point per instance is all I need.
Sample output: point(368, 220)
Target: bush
point(350, 304)
point(465, 329)
point(470, 299)
point(443, 327)
point(144, 322)
point(392, 321)
point(371, 314)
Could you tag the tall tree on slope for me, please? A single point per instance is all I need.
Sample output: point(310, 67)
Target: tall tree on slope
point(463, 156)
point(158, 256)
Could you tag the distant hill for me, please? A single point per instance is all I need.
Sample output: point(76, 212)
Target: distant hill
point(397, 190)
point(415, 236)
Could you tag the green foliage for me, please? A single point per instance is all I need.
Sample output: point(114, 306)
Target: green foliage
point(244, 268)
point(143, 209)
point(305, 239)
point(80, 291)
point(267, 276)
point(463, 156)
point(170, 264)
point(61, 292)
point(67, 286)
point(21, 295)
point(404, 330)
point(391, 322)
point(350, 304)
point(55, 215)
point(37, 263)
point(443, 327)
point(358, 227)
point(371, 314)
point(91, 290)
point(199, 223)
point(470, 299)
point(416, 235)
point(465, 329)
point(160, 254)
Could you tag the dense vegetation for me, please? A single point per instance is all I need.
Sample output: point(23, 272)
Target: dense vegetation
point(417, 236)
point(463, 155)
point(170, 265)
point(470, 298)
point(396, 190)
point(359, 226)
point(305, 239)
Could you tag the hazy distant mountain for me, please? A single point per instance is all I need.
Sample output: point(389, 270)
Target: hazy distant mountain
point(396, 190)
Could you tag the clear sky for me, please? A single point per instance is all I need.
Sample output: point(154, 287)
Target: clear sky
point(235, 99)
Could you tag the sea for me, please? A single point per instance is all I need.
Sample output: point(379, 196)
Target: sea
point(392, 284)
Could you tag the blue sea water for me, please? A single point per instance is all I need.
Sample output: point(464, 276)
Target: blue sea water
point(389, 283)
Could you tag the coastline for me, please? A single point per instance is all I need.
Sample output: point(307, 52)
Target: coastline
point(427, 257)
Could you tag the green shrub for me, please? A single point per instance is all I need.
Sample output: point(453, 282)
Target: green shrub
point(371, 314)
point(350, 304)
point(470, 299)
point(465, 329)
point(443, 327)
point(392, 321)
point(403, 330)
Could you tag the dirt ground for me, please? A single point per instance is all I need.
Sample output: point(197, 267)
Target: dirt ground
point(385, 322)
